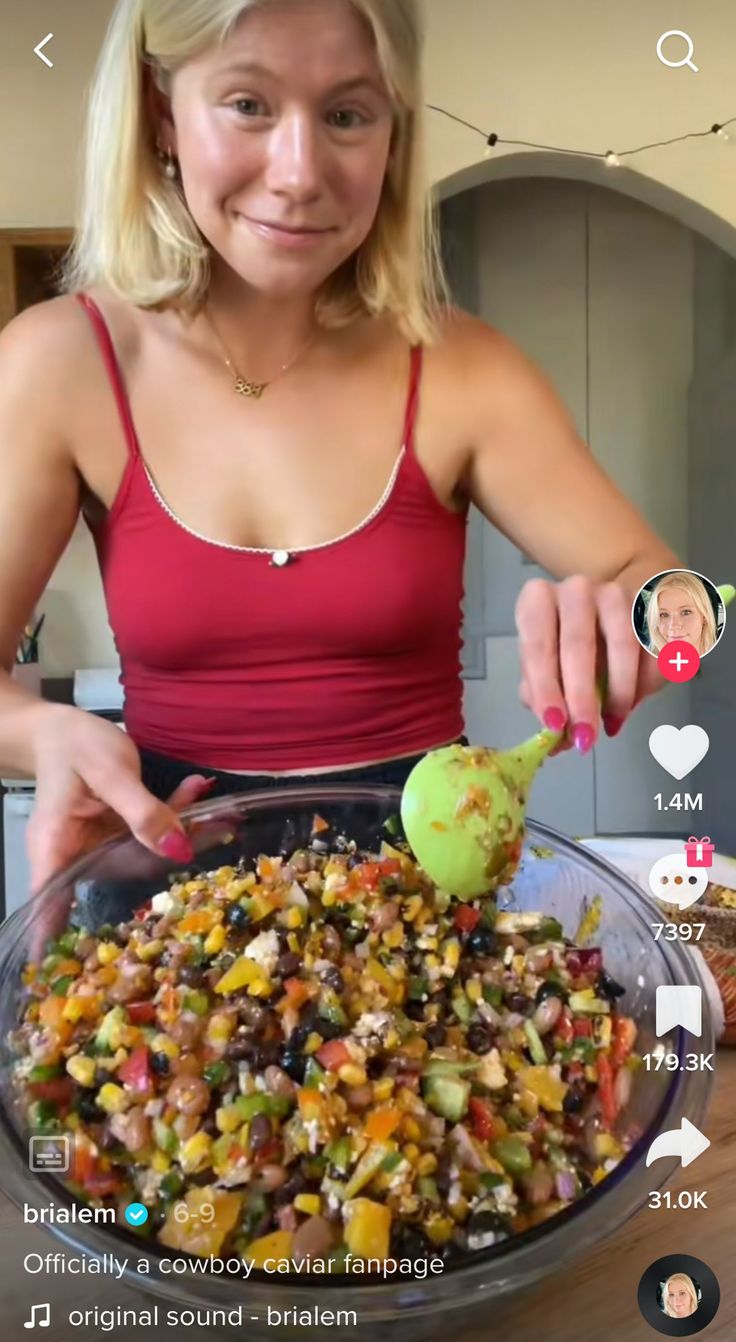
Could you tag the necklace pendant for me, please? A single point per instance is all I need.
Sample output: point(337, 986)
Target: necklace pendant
point(280, 558)
point(254, 389)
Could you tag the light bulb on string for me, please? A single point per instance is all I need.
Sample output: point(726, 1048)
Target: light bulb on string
point(721, 133)
point(491, 142)
point(612, 160)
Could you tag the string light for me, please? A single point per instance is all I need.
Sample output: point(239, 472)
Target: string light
point(611, 157)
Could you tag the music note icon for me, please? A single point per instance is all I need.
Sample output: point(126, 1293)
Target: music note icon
point(44, 1311)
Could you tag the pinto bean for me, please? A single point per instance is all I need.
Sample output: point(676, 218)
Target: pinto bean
point(186, 1030)
point(134, 981)
point(547, 1015)
point(622, 1087)
point(133, 1129)
point(331, 940)
point(385, 916)
point(538, 1184)
point(360, 1097)
point(278, 1082)
point(189, 1094)
point(270, 1177)
point(313, 1239)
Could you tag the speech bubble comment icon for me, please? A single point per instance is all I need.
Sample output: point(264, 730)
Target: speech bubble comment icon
point(674, 882)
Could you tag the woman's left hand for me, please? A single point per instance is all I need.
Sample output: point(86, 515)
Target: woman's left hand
point(572, 634)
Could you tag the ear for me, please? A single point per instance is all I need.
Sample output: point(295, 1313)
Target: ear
point(158, 108)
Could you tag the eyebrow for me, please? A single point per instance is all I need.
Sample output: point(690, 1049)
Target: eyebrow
point(254, 68)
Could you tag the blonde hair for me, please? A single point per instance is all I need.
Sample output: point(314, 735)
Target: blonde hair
point(136, 236)
point(697, 593)
point(678, 1276)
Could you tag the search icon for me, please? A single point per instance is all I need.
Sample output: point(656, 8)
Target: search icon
point(686, 60)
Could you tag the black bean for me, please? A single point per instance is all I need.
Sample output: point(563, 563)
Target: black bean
point(574, 1100)
point(375, 1067)
point(89, 1110)
point(192, 975)
point(409, 1242)
point(297, 1183)
point(267, 1054)
point(329, 1029)
point(549, 988)
point(479, 1038)
point(259, 1131)
point(443, 1176)
point(518, 1002)
point(299, 1037)
point(414, 1010)
point(288, 964)
point(293, 1063)
point(240, 1048)
point(160, 1063)
point(482, 941)
point(608, 987)
point(333, 978)
point(435, 1034)
point(236, 915)
point(253, 1013)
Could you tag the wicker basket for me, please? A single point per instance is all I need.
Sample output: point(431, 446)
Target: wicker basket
point(717, 945)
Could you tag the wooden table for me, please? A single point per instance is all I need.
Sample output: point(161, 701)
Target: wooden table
point(593, 1301)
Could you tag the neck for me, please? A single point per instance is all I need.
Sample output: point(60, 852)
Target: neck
point(261, 331)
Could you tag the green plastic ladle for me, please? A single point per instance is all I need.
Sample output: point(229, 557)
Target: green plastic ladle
point(463, 808)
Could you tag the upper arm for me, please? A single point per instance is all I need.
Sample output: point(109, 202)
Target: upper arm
point(532, 475)
point(39, 483)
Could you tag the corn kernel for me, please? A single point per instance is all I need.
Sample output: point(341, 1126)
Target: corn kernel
point(394, 936)
point(313, 1042)
point(294, 919)
point(227, 1119)
point(598, 1174)
point(432, 961)
point(438, 1229)
point(160, 1162)
point(163, 1043)
point(293, 941)
point(329, 897)
point(459, 1209)
point(215, 940)
point(452, 952)
point(148, 950)
point(82, 1069)
point(194, 1154)
point(260, 987)
point(311, 1203)
point(412, 907)
point(73, 1121)
point(112, 1098)
point(191, 887)
point(473, 990)
point(352, 1074)
point(107, 951)
point(383, 1089)
point(427, 1163)
point(411, 1152)
point(106, 975)
point(411, 1128)
point(224, 875)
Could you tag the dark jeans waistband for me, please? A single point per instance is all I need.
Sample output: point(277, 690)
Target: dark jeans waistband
point(161, 775)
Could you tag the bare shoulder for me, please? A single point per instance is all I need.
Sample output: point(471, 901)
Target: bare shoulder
point(58, 331)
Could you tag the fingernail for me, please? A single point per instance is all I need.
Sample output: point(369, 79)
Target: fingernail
point(176, 846)
point(206, 786)
point(584, 737)
point(612, 724)
point(554, 718)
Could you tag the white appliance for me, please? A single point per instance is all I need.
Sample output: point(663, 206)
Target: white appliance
point(98, 692)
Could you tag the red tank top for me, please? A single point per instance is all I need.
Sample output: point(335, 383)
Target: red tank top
point(351, 651)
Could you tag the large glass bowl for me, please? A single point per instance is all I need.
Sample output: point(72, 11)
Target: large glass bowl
point(557, 876)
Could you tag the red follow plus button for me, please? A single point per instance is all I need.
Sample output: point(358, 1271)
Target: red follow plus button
point(678, 661)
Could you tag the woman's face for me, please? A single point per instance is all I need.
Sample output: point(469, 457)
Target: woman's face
point(680, 1300)
point(284, 144)
point(678, 617)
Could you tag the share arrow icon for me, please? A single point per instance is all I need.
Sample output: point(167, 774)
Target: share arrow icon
point(688, 1143)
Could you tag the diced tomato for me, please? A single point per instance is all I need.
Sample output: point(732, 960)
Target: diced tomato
point(605, 1090)
point(582, 1028)
point(563, 1029)
point(575, 1071)
point(624, 1035)
point(482, 1118)
point(141, 1013)
point(466, 918)
point(58, 1090)
point(333, 1054)
point(143, 912)
point(271, 1151)
point(584, 960)
point(136, 1071)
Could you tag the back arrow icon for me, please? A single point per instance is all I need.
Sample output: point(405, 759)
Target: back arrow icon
point(688, 1143)
point(39, 52)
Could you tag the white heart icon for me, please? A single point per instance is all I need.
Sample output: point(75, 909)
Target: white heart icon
point(679, 749)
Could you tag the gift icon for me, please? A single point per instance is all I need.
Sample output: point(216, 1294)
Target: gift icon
point(699, 851)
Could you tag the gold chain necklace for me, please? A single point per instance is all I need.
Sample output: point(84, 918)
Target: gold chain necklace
point(243, 385)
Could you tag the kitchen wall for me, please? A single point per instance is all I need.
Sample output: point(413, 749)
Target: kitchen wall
point(575, 73)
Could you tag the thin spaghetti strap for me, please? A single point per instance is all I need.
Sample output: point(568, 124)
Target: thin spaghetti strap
point(113, 368)
point(412, 398)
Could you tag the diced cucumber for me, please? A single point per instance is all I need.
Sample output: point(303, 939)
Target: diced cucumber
point(446, 1096)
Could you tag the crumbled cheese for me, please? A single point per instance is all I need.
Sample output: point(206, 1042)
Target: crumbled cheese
point(508, 955)
point(490, 1071)
point(506, 1199)
point(372, 1022)
point(264, 949)
point(162, 902)
point(507, 923)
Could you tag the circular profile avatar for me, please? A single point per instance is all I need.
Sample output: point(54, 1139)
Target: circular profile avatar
point(679, 606)
point(680, 1296)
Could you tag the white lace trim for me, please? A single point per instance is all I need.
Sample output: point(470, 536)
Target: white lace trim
point(270, 550)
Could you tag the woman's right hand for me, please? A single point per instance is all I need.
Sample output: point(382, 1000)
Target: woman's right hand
point(88, 788)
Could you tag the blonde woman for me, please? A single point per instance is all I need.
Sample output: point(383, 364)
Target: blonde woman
point(255, 390)
point(680, 608)
point(679, 1297)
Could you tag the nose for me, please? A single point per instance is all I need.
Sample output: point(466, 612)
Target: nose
point(294, 158)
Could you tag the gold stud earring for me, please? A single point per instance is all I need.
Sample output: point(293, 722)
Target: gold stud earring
point(169, 162)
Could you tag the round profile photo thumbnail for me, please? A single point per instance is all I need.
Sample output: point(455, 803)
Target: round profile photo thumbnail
point(678, 606)
point(679, 1295)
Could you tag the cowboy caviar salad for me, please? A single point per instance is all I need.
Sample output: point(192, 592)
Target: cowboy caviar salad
point(332, 1056)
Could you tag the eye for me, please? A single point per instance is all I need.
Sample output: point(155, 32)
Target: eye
point(241, 102)
point(350, 111)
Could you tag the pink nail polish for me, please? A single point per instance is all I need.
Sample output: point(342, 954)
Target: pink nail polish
point(206, 786)
point(583, 737)
point(612, 724)
point(554, 719)
point(176, 846)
